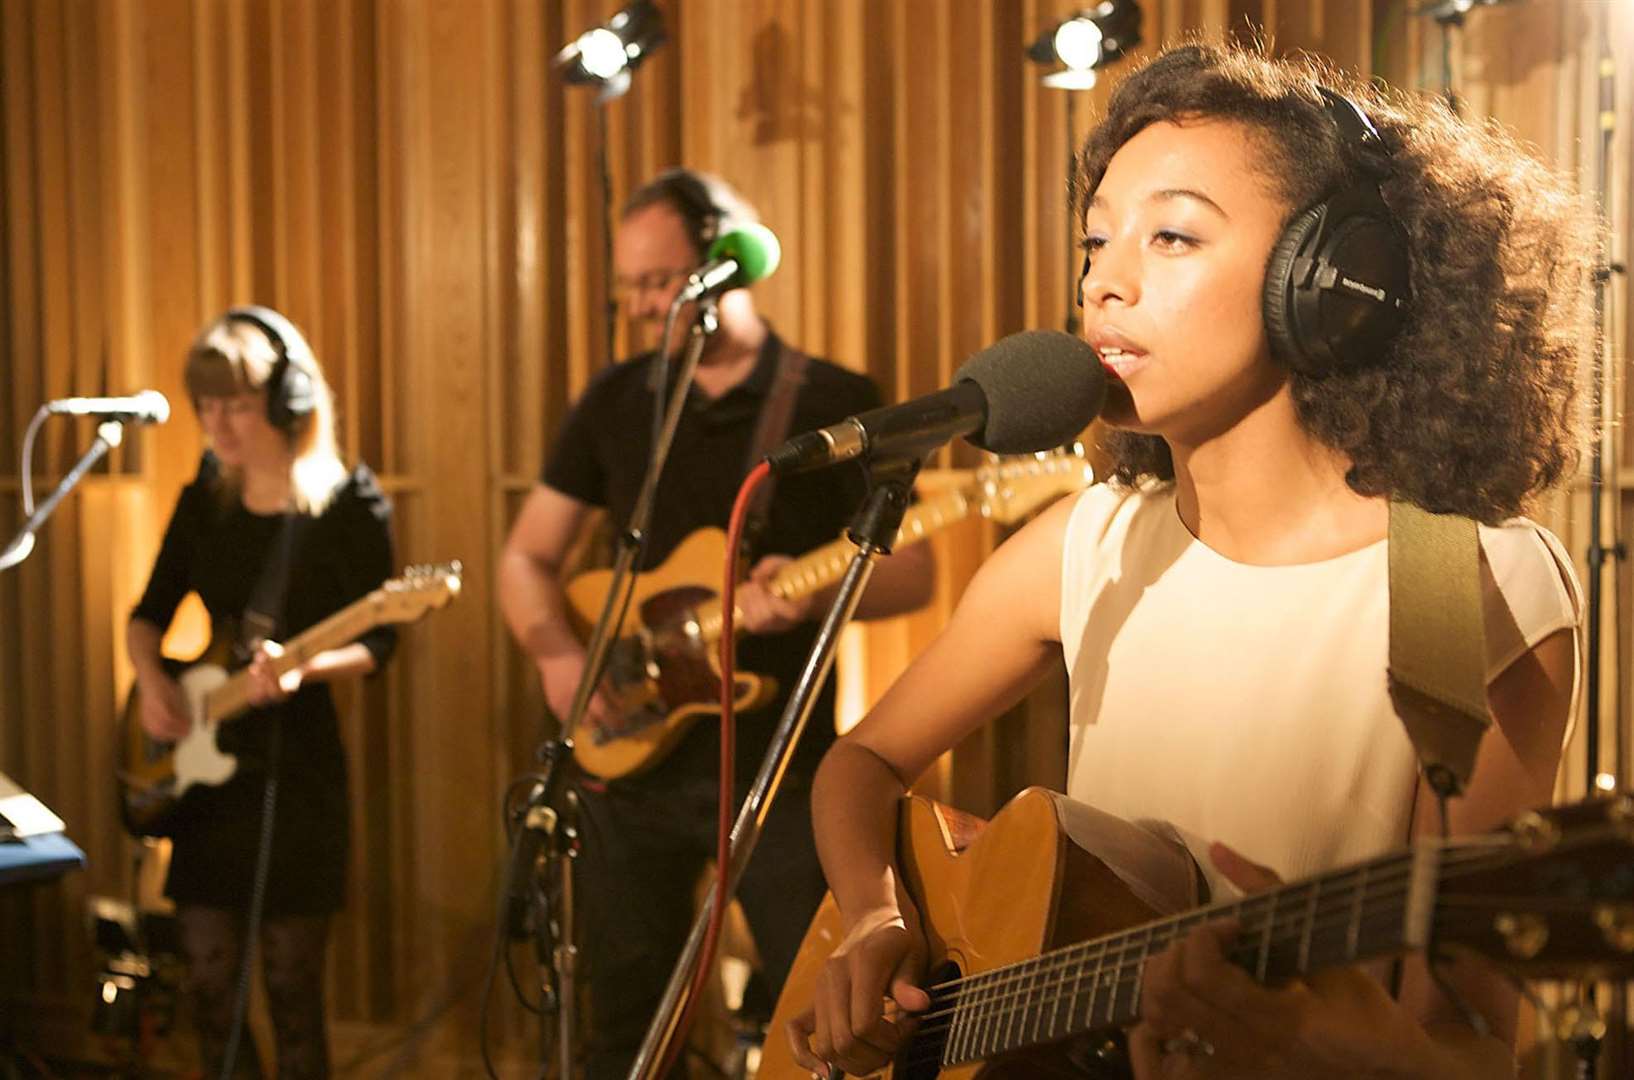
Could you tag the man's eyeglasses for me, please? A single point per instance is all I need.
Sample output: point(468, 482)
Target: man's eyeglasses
point(652, 281)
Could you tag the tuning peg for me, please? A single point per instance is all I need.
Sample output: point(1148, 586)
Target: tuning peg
point(1524, 935)
point(1578, 1023)
point(1616, 922)
point(1535, 833)
point(1621, 816)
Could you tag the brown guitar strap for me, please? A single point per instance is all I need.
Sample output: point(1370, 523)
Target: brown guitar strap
point(770, 430)
point(1438, 641)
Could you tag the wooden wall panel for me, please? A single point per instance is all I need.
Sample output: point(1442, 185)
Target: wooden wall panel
point(413, 183)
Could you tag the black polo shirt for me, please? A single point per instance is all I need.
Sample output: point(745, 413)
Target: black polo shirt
point(602, 451)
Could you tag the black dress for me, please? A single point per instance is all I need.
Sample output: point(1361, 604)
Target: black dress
point(217, 548)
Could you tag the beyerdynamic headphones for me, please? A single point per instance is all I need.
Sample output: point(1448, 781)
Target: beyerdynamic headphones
point(691, 196)
point(291, 395)
point(1336, 286)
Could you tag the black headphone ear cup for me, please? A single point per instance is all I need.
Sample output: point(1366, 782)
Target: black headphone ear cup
point(1279, 300)
point(291, 393)
point(293, 399)
point(1357, 320)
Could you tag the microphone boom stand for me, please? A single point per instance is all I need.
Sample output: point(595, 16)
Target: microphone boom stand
point(537, 812)
point(873, 530)
point(109, 434)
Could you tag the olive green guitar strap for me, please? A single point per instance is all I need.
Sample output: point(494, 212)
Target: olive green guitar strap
point(1438, 641)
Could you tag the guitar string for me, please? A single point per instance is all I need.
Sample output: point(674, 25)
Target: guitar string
point(1019, 1002)
point(1330, 889)
point(935, 514)
point(1076, 957)
point(1003, 986)
point(1071, 960)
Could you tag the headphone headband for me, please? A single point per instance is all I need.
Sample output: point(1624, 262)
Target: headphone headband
point(291, 393)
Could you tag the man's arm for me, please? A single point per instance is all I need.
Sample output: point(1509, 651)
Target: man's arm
point(901, 582)
point(531, 597)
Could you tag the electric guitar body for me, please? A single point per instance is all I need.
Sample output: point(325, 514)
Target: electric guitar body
point(153, 774)
point(149, 777)
point(663, 672)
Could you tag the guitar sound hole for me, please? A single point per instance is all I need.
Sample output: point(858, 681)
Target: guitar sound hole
point(921, 1059)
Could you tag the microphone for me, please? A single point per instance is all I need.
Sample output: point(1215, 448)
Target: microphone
point(1028, 392)
point(737, 258)
point(145, 407)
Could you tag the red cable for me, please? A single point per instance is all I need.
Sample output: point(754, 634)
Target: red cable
point(723, 839)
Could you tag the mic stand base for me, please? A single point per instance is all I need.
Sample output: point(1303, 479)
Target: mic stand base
point(873, 531)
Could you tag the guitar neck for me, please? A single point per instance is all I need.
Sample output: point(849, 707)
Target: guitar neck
point(823, 566)
point(343, 626)
point(1379, 908)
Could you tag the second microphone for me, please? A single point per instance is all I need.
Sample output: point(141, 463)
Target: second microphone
point(1028, 392)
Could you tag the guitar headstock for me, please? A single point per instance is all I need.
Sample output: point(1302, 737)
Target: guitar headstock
point(417, 590)
point(1550, 896)
point(1008, 489)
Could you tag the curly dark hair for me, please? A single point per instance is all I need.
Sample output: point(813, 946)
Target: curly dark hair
point(1473, 408)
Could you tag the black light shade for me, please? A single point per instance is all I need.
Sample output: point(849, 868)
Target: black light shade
point(1086, 42)
point(605, 55)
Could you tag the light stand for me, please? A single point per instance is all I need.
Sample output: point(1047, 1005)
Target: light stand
point(605, 57)
point(1587, 1039)
point(1449, 15)
point(109, 434)
point(873, 530)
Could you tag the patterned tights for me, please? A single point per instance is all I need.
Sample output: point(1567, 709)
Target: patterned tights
point(292, 959)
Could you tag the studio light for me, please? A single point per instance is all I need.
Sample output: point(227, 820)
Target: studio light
point(1086, 42)
point(604, 56)
point(1452, 12)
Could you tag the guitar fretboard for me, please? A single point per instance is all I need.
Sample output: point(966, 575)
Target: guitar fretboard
point(825, 565)
point(339, 628)
point(1375, 909)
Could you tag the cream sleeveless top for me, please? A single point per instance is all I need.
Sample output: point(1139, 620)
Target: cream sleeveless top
point(1248, 704)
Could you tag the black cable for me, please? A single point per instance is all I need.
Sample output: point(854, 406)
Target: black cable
point(1434, 958)
point(507, 880)
point(516, 986)
point(258, 895)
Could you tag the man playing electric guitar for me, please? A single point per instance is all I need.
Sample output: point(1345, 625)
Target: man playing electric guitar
point(649, 833)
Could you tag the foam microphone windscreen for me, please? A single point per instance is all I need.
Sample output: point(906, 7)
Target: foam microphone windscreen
point(753, 247)
point(1043, 387)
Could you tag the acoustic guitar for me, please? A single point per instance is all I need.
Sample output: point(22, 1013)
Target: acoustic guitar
point(155, 774)
point(1036, 944)
point(664, 672)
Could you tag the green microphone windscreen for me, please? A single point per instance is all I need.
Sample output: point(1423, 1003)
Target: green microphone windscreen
point(753, 247)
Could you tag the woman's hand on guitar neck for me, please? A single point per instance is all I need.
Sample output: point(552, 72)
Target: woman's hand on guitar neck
point(267, 684)
point(164, 709)
point(864, 1001)
point(1205, 1018)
